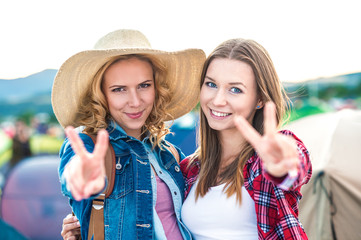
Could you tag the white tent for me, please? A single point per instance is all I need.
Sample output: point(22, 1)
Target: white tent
point(331, 203)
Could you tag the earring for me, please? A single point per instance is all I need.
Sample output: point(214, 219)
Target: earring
point(258, 107)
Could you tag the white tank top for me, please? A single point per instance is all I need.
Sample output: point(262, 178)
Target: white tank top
point(217, 217)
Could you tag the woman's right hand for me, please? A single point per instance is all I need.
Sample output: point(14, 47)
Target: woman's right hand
point(85, 173)
point(277, 151)
point(71, 228)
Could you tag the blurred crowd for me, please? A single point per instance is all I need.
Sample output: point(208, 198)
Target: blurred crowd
point(16, 140)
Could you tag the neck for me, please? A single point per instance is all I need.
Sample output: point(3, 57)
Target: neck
point(231, 142)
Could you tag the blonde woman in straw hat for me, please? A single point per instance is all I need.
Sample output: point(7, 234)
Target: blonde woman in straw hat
point(123, 91)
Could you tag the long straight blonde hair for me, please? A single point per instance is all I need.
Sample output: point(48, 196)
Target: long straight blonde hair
point(269, 88)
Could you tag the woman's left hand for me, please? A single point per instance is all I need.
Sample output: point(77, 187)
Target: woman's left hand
point(71, 228)
point(277, 151)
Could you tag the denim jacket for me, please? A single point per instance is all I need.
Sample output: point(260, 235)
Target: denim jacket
point(128, 211)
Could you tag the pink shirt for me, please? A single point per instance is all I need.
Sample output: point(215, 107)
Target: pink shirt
point(165, 210)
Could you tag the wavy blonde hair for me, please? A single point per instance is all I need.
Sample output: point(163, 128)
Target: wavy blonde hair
point(269, 88)
point(94, 113)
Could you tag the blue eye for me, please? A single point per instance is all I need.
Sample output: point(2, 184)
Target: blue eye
point(144, 85)
point(236, 90)
point(210, 84)
point(119, 89)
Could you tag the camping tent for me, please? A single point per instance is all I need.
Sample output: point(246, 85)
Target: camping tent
point(331, 203)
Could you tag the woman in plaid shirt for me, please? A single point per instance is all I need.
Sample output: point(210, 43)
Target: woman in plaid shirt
point(244, 180)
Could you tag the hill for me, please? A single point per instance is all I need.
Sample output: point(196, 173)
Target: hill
point(31, 94)
point(17, 90)
point(348, 81)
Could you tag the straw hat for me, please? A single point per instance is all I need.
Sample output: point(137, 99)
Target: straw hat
point(76, 74)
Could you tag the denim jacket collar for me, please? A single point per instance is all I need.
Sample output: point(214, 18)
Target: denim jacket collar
point(116, 133)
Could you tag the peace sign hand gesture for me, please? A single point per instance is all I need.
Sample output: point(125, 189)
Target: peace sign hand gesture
point(85, 173)
point(278, 152)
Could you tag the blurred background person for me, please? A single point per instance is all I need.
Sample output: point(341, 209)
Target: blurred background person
point(21, 143)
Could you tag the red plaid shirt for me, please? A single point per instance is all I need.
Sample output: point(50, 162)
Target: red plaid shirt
point(276, 200)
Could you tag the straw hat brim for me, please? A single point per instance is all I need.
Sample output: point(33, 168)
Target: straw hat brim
point(76, 74)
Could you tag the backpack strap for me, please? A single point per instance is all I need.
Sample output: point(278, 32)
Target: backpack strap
point(109, 167)
point(173, 150)
point(96, 223)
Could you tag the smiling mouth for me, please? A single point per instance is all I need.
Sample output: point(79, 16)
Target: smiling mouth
point(219, 114)
point(135, 115)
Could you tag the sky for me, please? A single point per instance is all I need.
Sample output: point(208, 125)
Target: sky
point(306, 39)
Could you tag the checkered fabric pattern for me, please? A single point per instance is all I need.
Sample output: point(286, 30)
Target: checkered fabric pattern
point(276, 199)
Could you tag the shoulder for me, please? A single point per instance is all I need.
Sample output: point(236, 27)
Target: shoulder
point(190, 165)
point(300, 145)
point(184, 163)
point(173, 149)
point(290, 133)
